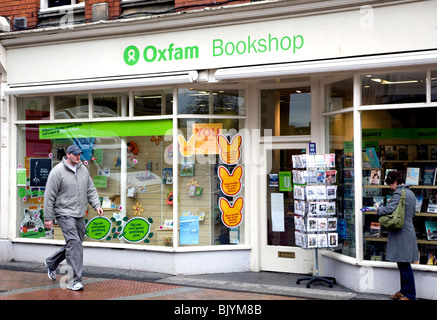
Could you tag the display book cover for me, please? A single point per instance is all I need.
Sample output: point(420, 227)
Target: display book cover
point(412, 177)
point(431, 230)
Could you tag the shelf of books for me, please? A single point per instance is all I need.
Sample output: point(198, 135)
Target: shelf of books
point(419, 167)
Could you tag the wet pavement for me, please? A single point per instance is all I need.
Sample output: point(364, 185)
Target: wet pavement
point(29, 281)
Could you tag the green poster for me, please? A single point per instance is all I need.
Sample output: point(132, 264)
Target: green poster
point(100, 181)
point(21, 177)
point(285, 181)
point(106, 129)
point(98, 228)
point(135, 230)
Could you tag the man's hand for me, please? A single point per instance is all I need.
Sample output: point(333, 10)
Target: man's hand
point(100, 211)
point(48, 224)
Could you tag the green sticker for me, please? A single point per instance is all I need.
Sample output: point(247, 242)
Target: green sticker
point(98, 228)
point(135, 230)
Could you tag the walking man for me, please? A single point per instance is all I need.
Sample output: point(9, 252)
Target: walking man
point(68, 190)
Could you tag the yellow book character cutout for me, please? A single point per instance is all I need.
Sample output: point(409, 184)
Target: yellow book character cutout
point(230, 183)
point(187, 148)
point(231, 215)
point(230, 153)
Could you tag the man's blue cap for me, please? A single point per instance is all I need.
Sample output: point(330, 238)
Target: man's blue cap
point(74, 150)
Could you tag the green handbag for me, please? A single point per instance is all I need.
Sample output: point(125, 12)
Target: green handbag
point(396, 219)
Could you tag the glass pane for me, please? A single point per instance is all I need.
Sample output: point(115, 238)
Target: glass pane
point(286, 111)
point(71, 107)
point(153, 102)
point(110, 104)
point(401, 140)
point(340, 142)
point(339, 95)
point(33, 108)
point(211, 184)
point(434, 86)
point(281, 235)
point(227, 101)
point(132, 174)
point(58, 3)
point(391, 88)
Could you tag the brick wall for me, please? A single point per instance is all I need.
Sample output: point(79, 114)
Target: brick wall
point(21, 8)
point(30, 8)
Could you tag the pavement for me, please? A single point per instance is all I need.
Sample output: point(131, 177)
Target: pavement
point(29, 281)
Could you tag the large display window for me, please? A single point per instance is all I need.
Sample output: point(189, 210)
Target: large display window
point(339, 138)
point(401, 140)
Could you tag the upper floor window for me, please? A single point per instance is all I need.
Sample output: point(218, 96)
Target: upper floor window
point(48, 4)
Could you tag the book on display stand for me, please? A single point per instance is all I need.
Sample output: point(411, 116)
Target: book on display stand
point(315, 192)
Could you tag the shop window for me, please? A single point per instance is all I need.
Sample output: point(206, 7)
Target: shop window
point(434, 86)
point(286, 111)
point(339, 94)
point(211, 182)
point(153, 102)
point(394, 88)
point(402, 140)
point(33, 108)
point(107, 105)
point(227, 101)
point(71, 107)
point(129, 162)
point(340, 142)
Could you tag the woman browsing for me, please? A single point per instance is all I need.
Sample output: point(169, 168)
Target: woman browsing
point(402, 245)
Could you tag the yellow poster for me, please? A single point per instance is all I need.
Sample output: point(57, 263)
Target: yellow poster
point(230, 153)
point(206, 137)
point(230, 183)
point(232, 216)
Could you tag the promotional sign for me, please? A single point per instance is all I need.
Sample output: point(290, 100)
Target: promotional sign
point(232, 216)
point(230, 183)
point(98, 228)
point(187, 148)
point(206, 137)
point(105, 129)
point(230, 153)
point(135, 230)
point(189, 230)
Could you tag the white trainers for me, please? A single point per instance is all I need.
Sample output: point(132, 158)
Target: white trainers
point(75, 287)
point(50, 273)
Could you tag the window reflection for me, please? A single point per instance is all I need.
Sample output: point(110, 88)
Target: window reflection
point(391, 88)
point(286, 111)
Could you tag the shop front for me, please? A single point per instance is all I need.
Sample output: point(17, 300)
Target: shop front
point(192, 136)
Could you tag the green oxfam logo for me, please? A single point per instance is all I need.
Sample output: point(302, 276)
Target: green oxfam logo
point(131, 55)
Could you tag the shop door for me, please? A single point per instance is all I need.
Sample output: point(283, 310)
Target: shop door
point(278, 249)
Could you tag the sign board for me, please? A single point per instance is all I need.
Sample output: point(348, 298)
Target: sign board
point(359, 31)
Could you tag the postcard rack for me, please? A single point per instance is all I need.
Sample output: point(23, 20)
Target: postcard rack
point(315, 193)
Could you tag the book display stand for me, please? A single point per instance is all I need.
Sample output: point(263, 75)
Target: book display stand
point(315, 193)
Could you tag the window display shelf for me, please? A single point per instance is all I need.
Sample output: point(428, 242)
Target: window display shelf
point(384, 239)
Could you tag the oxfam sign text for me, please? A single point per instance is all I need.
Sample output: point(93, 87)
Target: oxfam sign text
point(218, 48)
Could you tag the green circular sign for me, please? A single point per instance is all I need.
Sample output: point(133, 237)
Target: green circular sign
point(98, 228)
point(135, 230)
point(131, 55)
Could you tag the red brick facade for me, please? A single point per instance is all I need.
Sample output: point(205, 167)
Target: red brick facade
point(21, 8)
point(30, 8)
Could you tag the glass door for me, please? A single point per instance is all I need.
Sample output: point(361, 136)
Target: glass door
point(278, 250)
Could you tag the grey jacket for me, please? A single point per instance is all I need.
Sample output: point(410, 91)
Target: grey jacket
point(67, 194)
point(402, 245)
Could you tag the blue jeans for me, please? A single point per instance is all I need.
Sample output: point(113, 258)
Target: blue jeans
point(408, 287)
